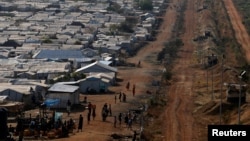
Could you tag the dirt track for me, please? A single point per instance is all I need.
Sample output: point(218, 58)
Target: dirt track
point(240, 30)
point(179, 119)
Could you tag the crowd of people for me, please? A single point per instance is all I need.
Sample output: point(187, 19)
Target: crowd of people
point(41, 126)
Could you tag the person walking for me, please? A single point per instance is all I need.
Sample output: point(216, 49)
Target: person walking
point(126, 120)
point(124, 97)
point(128, 84)
point(110, 111)
point(90, 107)
point(134, 136)
point(133, 90)
point(68, 107)
point(93, 111)
point(120, 96)
point(130, 123)
point(105, 112)
point(115, 99)
point(80, 123)
point(89, 115)
point(115, 121)
point(120, 119)
point(139, 64)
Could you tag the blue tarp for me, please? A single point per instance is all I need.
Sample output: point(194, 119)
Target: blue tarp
point(51, 102)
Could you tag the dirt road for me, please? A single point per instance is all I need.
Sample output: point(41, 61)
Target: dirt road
point(179, 119)
point(180, 122)
point(240, 30)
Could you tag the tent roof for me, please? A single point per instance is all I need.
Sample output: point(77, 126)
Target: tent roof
point(59, 54)
point(63, 88)
point(98, 64)
point(3, 98)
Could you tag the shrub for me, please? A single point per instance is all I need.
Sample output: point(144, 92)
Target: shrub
point(126, 27)
point(146, 5)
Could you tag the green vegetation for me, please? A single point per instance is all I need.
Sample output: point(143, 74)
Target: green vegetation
point(170, 50)
point(167, 55)
point(157, 101)
point(146, 5)
point(224, 41)
point(167, 75)
point(77, 42)
point(46, 40)
point(68, 77)
point(126, 27)
point(178, 27)
point(113, 29)
point(114, 7)
point(77, 76)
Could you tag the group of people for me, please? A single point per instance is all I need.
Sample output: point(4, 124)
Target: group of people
point(128, 118)
point(39, 126)
point(91, 111)
point(133, 89)
point(122, 97)
point(106, 110)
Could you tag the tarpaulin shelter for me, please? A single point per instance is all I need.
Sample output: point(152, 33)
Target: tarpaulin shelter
point(51, 102)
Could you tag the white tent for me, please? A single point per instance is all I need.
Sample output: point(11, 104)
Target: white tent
point(3, 99)
point(63, 93)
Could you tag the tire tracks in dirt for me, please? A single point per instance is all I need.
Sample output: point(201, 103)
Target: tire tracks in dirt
point(240, 30)
point(179, 119)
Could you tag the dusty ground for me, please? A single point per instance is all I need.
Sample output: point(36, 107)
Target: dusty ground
point(241, 32)
point(179, 119)
point(188, 87)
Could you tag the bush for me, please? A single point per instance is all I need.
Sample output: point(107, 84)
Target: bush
point(126, 27)
point(146, 5)
point(167, 75)
point(156, 101)
point(171, 48)
point(77, 42)
point(47, 41)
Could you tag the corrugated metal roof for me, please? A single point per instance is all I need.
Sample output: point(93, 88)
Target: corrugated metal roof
point(63, 88)
point(23, 89)
point(106, 62)
point(58, 54)
point(98, 64)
